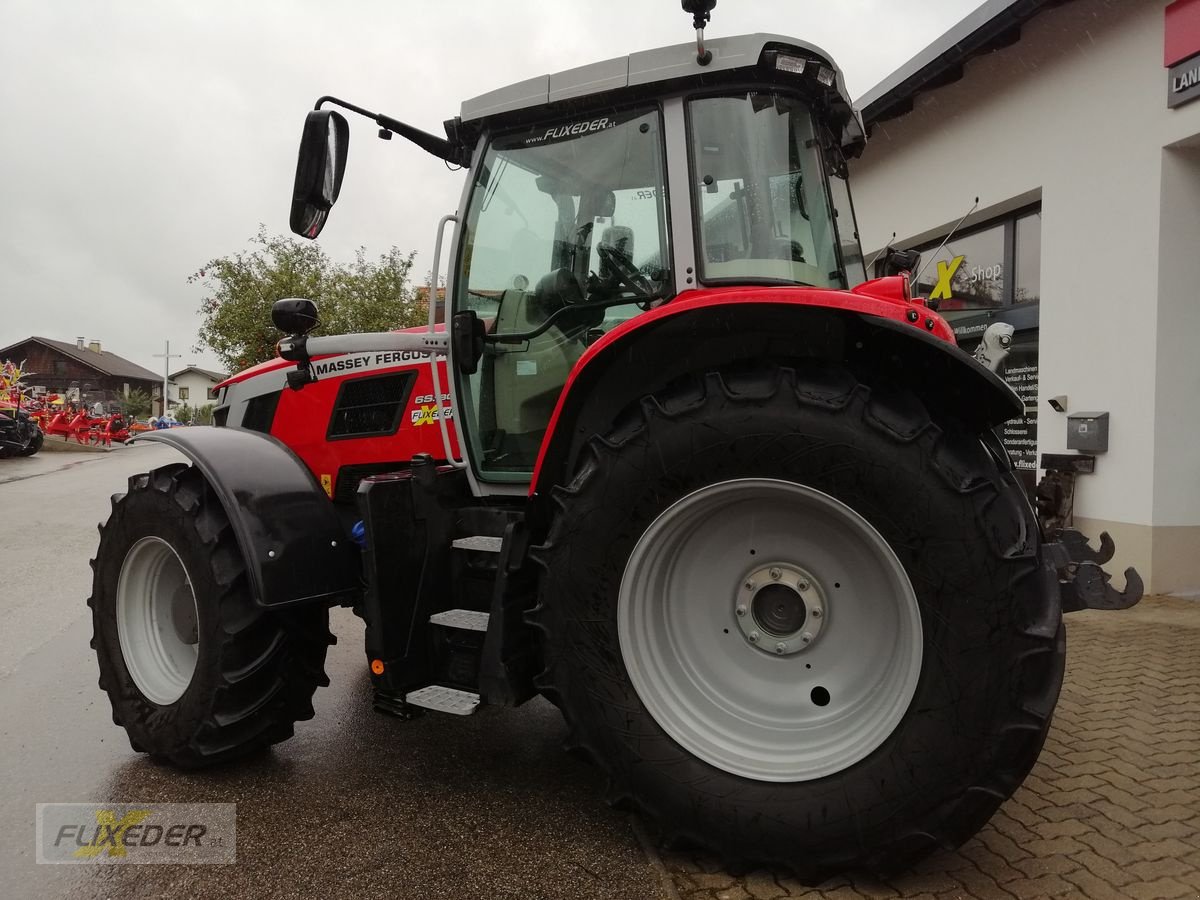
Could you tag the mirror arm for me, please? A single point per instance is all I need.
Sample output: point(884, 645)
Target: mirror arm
point(294, 348)
point(439, 147)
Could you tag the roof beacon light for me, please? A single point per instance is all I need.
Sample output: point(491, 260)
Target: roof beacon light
point(793, 64)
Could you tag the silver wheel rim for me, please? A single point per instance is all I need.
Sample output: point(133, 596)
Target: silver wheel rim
point(157, 620)
point(742, 704)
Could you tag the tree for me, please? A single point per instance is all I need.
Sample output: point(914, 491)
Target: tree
point(184, 414)
point(363, 295)
point(204, 414)
point(136, 403)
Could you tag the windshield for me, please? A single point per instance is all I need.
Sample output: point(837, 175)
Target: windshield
point(764, 213)
point(565, 237)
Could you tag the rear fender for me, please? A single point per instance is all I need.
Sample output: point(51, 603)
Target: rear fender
point(640, 359)
point(295, 548)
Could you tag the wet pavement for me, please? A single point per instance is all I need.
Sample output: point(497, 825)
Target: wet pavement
point(357, 804)
point(360, 805)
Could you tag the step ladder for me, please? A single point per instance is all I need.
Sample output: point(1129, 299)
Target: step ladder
point(443, 698)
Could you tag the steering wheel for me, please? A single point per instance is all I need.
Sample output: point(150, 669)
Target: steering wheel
point(627, 273)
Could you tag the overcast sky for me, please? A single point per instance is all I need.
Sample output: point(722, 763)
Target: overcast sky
point(138, 140)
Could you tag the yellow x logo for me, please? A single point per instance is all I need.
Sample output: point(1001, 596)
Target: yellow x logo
point(110, 831)
point(426, 415)
point(945, 273)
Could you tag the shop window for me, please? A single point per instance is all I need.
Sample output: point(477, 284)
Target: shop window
point(1028, 249)
point(987, 282)
point(984, 270)
point(968, 273)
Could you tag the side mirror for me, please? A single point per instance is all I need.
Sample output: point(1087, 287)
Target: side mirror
point(319, 170)
point(295, 315)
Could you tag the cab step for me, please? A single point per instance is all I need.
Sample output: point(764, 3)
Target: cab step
point(481, 543)
point(465, 619)
point(444, 699)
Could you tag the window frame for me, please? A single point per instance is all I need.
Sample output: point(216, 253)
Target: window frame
point(458, 298)
point(739, 90)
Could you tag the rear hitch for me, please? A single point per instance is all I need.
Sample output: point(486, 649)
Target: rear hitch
point(1082, 583)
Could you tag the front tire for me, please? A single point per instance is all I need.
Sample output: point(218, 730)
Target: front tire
point(723, 713)
point(35, 445)
point(196, 671)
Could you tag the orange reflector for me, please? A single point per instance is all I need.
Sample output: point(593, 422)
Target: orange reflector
point(377, 666)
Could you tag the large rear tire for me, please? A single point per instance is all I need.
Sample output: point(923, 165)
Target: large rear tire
point(196, 671)
point(799, 623)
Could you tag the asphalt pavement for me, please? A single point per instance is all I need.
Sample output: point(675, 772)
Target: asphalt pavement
point(356, 804)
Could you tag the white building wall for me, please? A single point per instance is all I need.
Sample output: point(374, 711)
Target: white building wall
point(1075, 113)
point(1177, 397)
point(198, 387)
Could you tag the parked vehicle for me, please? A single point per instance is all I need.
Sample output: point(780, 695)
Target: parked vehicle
point(740, 513)
point(19, 433)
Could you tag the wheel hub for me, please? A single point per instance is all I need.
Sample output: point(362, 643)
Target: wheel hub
point(780, 609)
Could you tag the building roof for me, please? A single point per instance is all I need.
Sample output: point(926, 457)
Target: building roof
point(994, 25)
point(105, 362)
point(207, 373)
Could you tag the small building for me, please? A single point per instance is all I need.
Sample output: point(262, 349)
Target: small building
point(1077, 125)
point(194, 386)
point(83, 370)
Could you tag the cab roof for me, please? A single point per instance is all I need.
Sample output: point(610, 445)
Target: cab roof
point(647, 68)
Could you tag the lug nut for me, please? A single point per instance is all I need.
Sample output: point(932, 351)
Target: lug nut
point(749, 585)
point(754, 637)
point(776, 574)
point(816, 613)
point(741, 610)
point(781, 647)
point(806, 637)
point(803, 584)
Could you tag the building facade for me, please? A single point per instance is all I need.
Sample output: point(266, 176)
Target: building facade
point(1071, 124)
point(194, 386)
point(83, 370)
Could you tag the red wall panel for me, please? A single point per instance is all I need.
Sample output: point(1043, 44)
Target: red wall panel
point(1182, 31)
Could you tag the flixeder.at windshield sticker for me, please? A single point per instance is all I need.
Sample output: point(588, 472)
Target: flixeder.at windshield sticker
point(562, 131)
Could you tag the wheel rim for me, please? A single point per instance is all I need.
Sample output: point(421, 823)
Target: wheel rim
point(157, 620)
point(741, 703)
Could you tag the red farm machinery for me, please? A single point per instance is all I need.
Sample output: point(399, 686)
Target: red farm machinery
point(673, 463)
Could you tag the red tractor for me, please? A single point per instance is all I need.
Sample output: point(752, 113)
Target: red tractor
point(739, 512)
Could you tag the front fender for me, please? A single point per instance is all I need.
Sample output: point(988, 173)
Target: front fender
point(688, 338)
point(294, 546)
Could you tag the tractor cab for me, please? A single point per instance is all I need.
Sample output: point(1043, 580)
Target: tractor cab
point(601, 193)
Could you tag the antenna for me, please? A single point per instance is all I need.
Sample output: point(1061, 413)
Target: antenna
point(700, 10)
point(886, 248)
point(917, 279)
